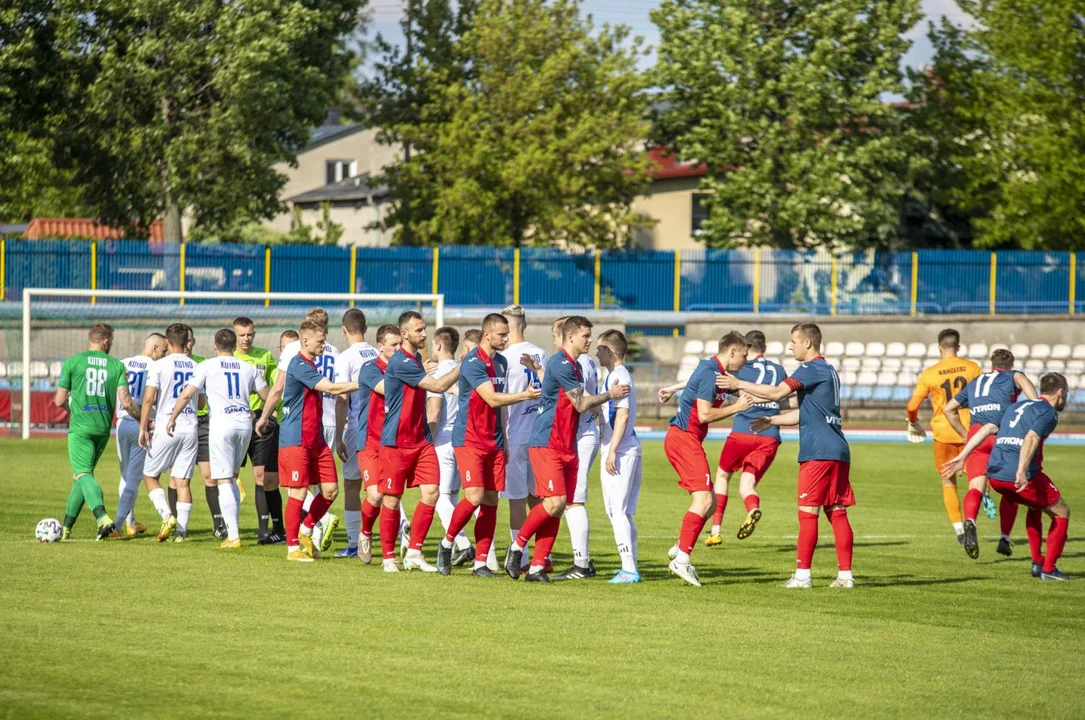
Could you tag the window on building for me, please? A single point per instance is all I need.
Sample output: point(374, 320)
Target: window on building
point(700, 213)
point(340, 170)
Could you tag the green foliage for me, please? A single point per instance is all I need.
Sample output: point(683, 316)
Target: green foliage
point(524, 123)
point(327, 232)
point(784, 99)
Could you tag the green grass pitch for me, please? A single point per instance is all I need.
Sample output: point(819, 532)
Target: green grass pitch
point(137, 629)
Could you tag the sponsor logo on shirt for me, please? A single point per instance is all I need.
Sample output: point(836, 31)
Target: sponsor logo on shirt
point(1010, 441)
point(989, 407)
point(833, 420)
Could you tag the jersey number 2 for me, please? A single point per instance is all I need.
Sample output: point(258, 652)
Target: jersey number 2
point(958, 384)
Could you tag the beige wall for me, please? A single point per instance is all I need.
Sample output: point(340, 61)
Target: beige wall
point(670, 203)
point(353, 218)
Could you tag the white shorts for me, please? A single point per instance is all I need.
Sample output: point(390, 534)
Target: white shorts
point(329, 436)
point(227, 448)
point(587, 447)
point(446, 460)
point(130, 455)
point(621, 491)
point(350, 465)
point(519, 479)
point(175, 455)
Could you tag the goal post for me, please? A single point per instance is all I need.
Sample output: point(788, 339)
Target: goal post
point(144, 311)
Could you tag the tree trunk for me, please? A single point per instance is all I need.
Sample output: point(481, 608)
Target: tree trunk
point(171, 222)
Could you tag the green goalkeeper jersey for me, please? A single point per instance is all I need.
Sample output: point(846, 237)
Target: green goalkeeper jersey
point(92, 379)
point(200, 412)
point(264, 362)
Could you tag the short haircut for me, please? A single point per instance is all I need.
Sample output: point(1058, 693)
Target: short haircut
point(732, 339)
point(1052, 383)
point(574, 324)
point(449, 337)
point(756, 340)
point(949, 338)
point(242, 321)
point(154, 336)
point(558, 325)
point(493, 320)
point(226, 339)
point(288, 334)
point(516, 316)
point(810, 331)
point(177, 335)
point(311, 326)
point(385, 330)
point(474, 335)
point(615, 340)
point(354, 321)
point(100, 332)
point(408, 316)
point(318, 315)
point(1002, 359)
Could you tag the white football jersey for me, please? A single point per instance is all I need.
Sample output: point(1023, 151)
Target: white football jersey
point(170, 375)
point(520, 418)
point(136, 369)
point(449, 407)
point(228, 383)
point(349, 367)
point(630, 443)
point(590, 373)
point(325, 365)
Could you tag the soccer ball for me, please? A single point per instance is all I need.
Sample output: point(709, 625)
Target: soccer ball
point(48, 530)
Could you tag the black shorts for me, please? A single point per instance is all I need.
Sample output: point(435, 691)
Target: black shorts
point(265, 450)
point(203, 434)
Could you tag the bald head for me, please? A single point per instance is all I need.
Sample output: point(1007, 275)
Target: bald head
point(154, 346)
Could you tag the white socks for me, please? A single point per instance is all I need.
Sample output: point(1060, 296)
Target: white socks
point(801, 574)
point(958, 528)
point(353, 520)
point(228, 506)
point(307, 502)
point(844, 575)
point(158, 499)
point(577, 518)
point(623, 537)
point(715, 530)
point(446, 505)
point(682, 558)
point(184, 510)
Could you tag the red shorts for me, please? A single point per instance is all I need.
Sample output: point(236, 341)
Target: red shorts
point(370, 467)
point(481, 468)
point(555, 472)
point(417, 463)
point(301, 466)
point(686, 455)
point(749, 453)
point(1040, 492)
point(975, 464)
point(823, 483)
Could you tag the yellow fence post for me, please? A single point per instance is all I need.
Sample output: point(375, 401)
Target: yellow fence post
point(182, 271)
point(994, 273)
point(598, 277)
point(267, 273)
point(757, 280)
point(353, 270)
point(1073, 281)
point(516, 276)
point(677, 284)
point(436, 266)
point(93, 270)
point(915, 281)
point(832, 289)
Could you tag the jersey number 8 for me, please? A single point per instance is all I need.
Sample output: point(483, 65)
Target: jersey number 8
point(96, 381)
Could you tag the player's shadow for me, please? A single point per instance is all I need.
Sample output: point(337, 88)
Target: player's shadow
point(911, 580)
point(829, 546)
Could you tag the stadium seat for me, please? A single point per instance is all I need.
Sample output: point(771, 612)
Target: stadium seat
point(1034, 367)
point(845, 392)
point(1077, 397)
point(41, 385)
point(875, 350)
point(854, 349)
point(836, 362)
point(907, 378)
point(1040, 352)
point(834, 348)
point(882, 393)
point(693, 347)
point(15, 370)
point(39, 369)
point(774, 348)
point(892, 364)
point(849, 377)
point(4, 384)
point(1079, 352)
point(3, 370)
point(1020, 351)
point(1078, 365)
point(933, 352)
point(902, 393)
point(790, 365)
point(1060, 352)
point(55, 369)
point(917, 350)
point(977, 351)
point(852, 363)
point(1055, 366)
point(867, 378)
point(872, 364)
point(912, 364)
point(863, 392)
point(896, 350)
point(887, 379)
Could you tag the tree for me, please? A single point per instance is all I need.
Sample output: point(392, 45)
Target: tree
point(785, 102)
point(162, 106)
point(525, 124)
point(1003, 106)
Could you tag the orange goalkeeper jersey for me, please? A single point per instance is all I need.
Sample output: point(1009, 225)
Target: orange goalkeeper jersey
point(942, 381)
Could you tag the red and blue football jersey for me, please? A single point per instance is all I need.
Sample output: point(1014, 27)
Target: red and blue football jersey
point(1035, 415)
point(760, 372)
point(989, 396)
point(821, 430)
point(700, 386)
point(370, 404)
point(557, 422)
point(477, 423)
point(303, 409)
point(405, 423)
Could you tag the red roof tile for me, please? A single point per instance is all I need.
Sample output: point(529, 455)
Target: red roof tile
point(45, 228)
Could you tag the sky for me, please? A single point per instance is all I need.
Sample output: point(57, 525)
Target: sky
point(634, 13)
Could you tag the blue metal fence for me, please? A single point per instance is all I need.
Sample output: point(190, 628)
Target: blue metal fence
point(748, 280)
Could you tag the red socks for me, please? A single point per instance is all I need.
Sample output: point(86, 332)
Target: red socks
point(808, 539)
point(1056, 540)
point(1007, 515)
point(971, 504)
point(692, 524)
point(293, 520)
point(370, 512)
point(721, 505)
point(485, 526)
point(842, 537)
point(752, 502)
point(317, 510)
point(1034, 526)
point(460, 517)
point(420, 522)
point(544, 539)
point(389, 531)
point(534, 522)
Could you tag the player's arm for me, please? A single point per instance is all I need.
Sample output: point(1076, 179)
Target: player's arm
point(341, 406)
point(533, 365)
point(433, 412)
point(272, 400)
point(772, 393)
point(150, 395)
point(666, 393)
point(64, 387)
point(124, 398)
point(434, 384)
point(709, 414)
point(916, 433)
point(328, 387)
point(584, 403)
point(496, 399)
point(954, 466)
point(621, 427)
point(1028, 451)
point(953, 417)
point(1025, 385)
point(179, 407)
point(787, 419)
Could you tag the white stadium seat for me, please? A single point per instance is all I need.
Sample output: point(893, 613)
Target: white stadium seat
point(852, 363)
point(933, 351)
point(891, 364)
point(1055, 366)
point(693, 347)
point(998, 346)
point(15, 369)
point(1020, 351)
point(3, 370)
point(790, 365)
point(895, 350)
point(1078, 365)
point(977, 351)
point(1034, 366)
point(39, 369)
point(55, 368)
point(875, 350)
point(836, 362)
point(873, 364)
point(912, 365)
point(1060, 352)
point(834, 348)
point(868, 378)
point(854, 349)
point(917, 350)
point(774, 348)
point(1040, 352)
point(887, 379)
point(849, 377)
point(907, 377)
point(1079, 352)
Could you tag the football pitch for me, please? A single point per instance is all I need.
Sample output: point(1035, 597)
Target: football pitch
point(136, 629)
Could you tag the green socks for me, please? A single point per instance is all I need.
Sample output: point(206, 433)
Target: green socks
point(92, 493)
point(75, 505)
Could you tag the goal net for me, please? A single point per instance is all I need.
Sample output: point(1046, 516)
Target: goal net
point(52, 326)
